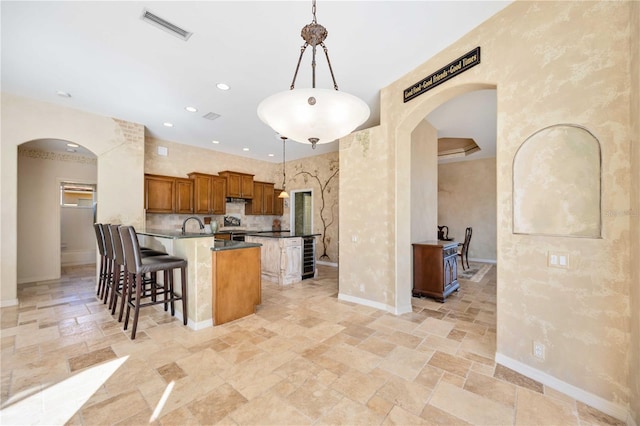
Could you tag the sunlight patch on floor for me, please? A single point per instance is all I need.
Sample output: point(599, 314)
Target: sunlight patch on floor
point(56, 404)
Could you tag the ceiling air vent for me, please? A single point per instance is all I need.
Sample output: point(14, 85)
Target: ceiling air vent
point(167, 26)
point(211, 116)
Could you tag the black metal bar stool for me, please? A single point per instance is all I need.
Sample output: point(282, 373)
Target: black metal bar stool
point(139, 295)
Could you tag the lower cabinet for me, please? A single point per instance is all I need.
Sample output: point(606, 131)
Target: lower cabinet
point(435, 269)
point(236, 283)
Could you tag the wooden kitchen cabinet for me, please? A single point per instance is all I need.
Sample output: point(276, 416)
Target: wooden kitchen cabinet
point(184, 196)
point(262, 201)
point(209, 193)
point(159, 193)
point(236, 283)
point(239, 185)
point(278, 203)
point(435, 269)
point(168, 194)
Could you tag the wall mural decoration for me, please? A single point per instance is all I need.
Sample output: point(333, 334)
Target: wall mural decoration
point(557, 183)
point(327, 213)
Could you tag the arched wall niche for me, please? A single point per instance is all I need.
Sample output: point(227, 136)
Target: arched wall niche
point(557, 183)
point(423, 106)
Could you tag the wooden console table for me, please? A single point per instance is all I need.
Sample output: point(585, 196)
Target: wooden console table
point(435, 269)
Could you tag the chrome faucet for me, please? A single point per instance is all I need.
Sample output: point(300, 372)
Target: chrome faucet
point(187, 219)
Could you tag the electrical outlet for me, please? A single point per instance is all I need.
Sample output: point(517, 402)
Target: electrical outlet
point(538, 350)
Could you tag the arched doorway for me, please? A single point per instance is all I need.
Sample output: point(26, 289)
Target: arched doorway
point(404, 134)
point(118, 145)
point(55, 208)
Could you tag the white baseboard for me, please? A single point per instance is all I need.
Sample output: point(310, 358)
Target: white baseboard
point(599, 403)
point(77, 257)
point(322, 262)
point(7, 303)
point(36, 279)
point(195, 325)
point(492, 261)
point(366, 302)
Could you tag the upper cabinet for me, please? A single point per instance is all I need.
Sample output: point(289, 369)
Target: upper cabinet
point(184, 196)
point(262, 202)
point(278, 203)
point(167, 194)
point(239, 185)
point(209, 193)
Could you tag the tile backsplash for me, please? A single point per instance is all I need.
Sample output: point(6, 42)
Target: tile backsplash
point(174, 221)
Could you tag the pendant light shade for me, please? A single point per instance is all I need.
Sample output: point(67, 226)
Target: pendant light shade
point(313, 115)
point(329, 116)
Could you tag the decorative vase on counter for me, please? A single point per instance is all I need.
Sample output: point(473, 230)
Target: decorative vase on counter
point(214, 226)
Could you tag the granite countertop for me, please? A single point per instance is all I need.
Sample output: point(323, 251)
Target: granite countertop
point(174, 234)
point(281, 234)
point(220, 245)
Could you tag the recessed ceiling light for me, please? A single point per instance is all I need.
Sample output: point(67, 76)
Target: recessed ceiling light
point(73, 145)
point(222, 86)
point(191, 109)
point(167, 124)
point(245, 149)
point(270, 155)
point(71, 150)
point(63, 94)
point(214, 141)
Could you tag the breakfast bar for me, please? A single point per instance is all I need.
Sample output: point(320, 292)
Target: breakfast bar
point(223, 277)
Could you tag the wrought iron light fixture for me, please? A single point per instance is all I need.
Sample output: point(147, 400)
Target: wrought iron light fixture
point(283, 194)
point(313, 115)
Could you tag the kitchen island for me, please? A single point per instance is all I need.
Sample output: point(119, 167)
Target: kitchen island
point(218, 290)
point(287, 257)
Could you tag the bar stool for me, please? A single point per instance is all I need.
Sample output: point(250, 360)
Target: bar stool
point(120, 275)
point(138, 266)
point(102, 275)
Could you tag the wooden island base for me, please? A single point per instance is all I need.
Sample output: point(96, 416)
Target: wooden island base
point(236, 283)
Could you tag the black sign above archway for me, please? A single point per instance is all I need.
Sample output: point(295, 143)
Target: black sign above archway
point(445, 73)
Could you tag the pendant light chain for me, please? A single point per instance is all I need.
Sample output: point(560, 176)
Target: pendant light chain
point(284, 173)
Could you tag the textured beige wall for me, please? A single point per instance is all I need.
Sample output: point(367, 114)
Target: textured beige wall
point(119, 146)
point(321, 174)
point(184, 159)
point(366, 225)
point(424, 182)
point(634, 373)
point(39, 213)
point(547, 70)
point(467, 197)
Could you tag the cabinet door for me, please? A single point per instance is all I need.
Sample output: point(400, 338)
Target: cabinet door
point(267, 199)
point(159, 194)
point(219, 196)
point(258, 191)
point(450, 271)
point(234, 185)
point(184, 196)
point(278, 203)
point(201, 193)
point(247, 186)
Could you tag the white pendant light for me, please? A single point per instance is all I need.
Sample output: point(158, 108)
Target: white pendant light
point(313, 115)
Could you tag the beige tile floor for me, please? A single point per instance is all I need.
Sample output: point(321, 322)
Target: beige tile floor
point(304, 358)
